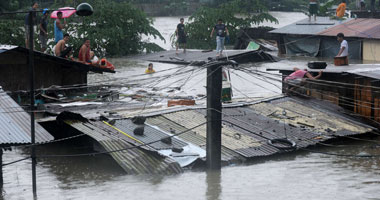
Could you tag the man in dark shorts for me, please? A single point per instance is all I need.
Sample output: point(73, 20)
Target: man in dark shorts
point(313, 9)
point(34, 22)
point(181, 35)
point(43, 29)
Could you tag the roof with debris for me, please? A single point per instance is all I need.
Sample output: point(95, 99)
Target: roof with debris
point(365, 70)
point(15, 124)
point(248, 132)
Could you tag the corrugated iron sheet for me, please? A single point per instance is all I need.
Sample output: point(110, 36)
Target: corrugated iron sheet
point(231, 138)
point(310, 119)
point(15, 124)
point(133, 161)
point(151, 134)
point(304, 27)
point(359, 28)
point(192, 137)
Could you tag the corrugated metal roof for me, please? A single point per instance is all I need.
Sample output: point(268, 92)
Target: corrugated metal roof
point(133, 161)
point(192, 137)
point(62, 61)
point(304, 27)
point(151, 134)
point(311, 119)
point(15, 124)
point(358, 28)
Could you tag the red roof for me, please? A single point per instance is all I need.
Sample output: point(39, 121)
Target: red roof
point(359, 28)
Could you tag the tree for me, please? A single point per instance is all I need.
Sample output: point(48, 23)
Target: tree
point(114, 29)
point(236, 14)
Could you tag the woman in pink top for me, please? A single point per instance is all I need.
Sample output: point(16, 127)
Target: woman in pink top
point(297, 77)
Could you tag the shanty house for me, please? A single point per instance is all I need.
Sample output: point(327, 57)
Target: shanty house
point(49, 70)
point(319, 38)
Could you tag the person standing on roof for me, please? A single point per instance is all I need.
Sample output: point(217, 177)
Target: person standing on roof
point(181, 35)
point(34, 22)
point(43, 29)
point(221, 32)
point(313, 9)
point(58, 27)
point(341, 9)
point(343, 51)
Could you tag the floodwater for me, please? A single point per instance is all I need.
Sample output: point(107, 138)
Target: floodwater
point(299, 175)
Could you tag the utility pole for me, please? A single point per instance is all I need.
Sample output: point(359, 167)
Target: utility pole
point(31, 77)
point(214, 113)
point(214, 116)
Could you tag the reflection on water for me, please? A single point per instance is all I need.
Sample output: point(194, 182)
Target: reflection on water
point(214, 189)
point(300, 175)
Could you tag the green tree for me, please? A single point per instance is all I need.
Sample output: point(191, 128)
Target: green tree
point(236, 14)
point(115, 29)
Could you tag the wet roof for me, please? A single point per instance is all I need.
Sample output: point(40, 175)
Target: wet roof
point(15, 124)
point(359, 28)
point(199, 57)
point(366, 70)
point(304, 27)
point(247, 131)
point(133, 160)
point(62, 61)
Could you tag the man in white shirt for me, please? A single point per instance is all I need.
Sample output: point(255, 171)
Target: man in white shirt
point(343, 52)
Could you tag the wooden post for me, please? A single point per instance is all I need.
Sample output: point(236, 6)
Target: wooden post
point(214, 116)
point(31, 77)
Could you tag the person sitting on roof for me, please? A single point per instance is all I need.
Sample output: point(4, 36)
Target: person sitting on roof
point(297, 78)
point(84, 52)
point(341, 10)
point(94, 58)
point(150, 69)
point(61, 50)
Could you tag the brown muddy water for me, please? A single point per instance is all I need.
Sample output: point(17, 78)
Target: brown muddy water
point(299, 175)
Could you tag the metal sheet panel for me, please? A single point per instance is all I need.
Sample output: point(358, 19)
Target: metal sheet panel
point(151, 134)
point(231, 138)
point(192, 137)
point(310, 119)
point(358, 28)
point(15, 124)
point(304, 27)
point(134, 160)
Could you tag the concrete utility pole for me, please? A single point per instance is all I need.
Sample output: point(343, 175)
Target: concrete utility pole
point(214, 113)
point(214, 116)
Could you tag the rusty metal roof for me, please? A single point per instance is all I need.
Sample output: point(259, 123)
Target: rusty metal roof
point(134, 160)
point(358, 28)
point(15, 124)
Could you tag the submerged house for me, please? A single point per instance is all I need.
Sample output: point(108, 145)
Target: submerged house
point(49, 70)
point(319, 38)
